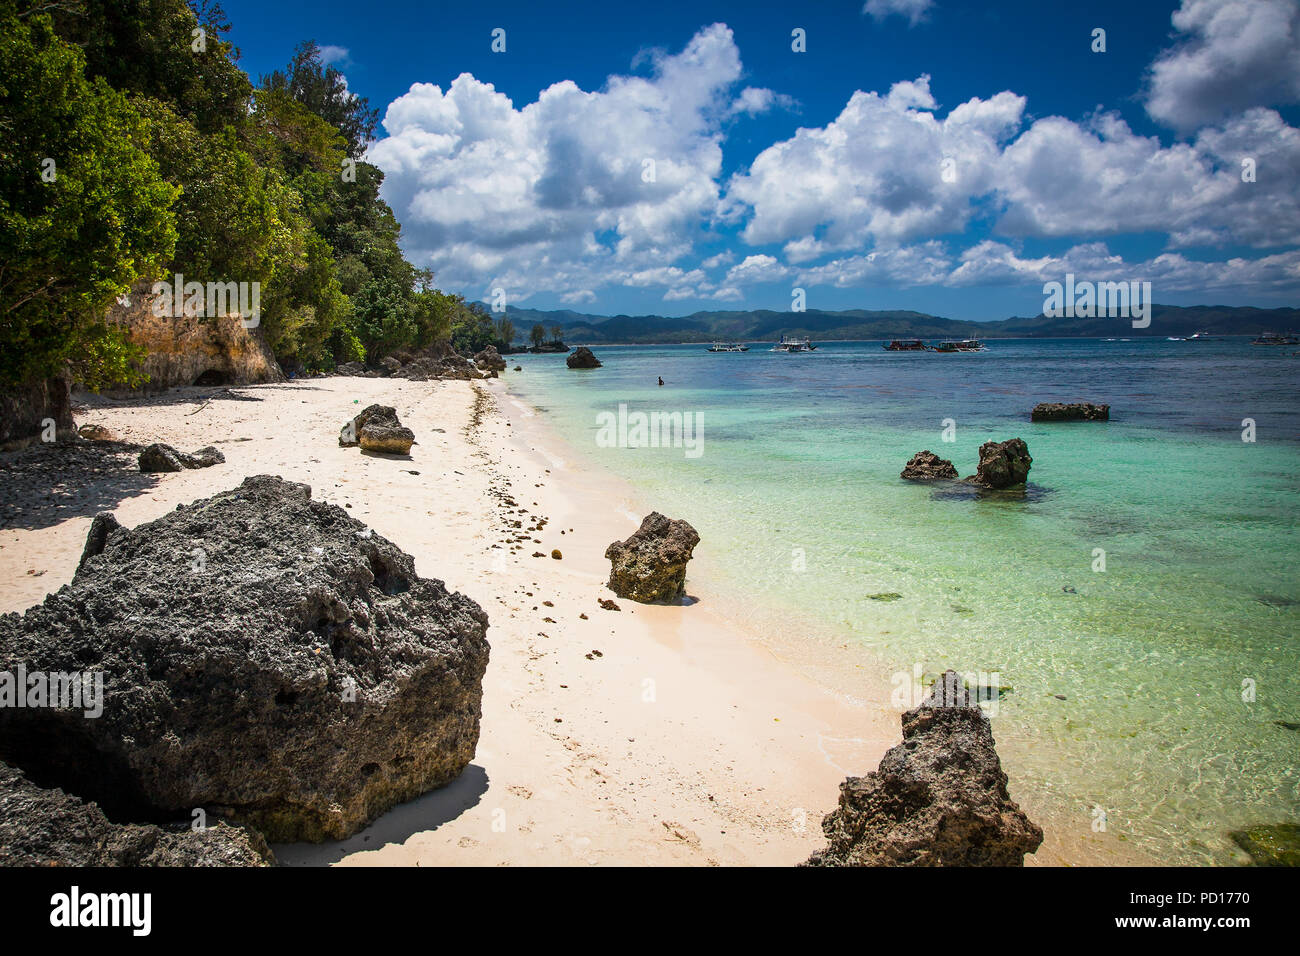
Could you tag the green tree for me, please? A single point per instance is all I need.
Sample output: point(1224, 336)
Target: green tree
point(505, 332)
point(538, 335)
point(84, 211)
point(556, 334)
point(323, 90)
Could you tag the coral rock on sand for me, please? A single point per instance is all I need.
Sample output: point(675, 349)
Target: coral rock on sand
point(1002, 464)
point(650, 566)
point(96, 433)
point(40, 827)
point(490, 360)
point(938, 799)
point(1071, 412)
point(300, 678)
point(581, 357)
point(927, 466)
point(377, 429)
point(160, 457)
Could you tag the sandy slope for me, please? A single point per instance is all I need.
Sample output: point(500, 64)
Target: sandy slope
point(649, 735)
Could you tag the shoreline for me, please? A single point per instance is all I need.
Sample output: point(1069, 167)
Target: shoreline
point(695, 735)
point(832, 659)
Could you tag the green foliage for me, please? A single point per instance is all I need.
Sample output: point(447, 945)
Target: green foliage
point(148, 47)
point(323, 90)
point(68, 246)
point(168, 161)
point(537, 335)
point(472, 329)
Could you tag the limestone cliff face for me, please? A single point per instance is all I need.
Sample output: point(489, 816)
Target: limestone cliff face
point(194, 351)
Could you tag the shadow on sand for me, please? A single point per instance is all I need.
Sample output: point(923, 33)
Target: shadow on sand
point(424, 813)
point(46, 484)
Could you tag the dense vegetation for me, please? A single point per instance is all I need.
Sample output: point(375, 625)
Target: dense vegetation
point(132, 146)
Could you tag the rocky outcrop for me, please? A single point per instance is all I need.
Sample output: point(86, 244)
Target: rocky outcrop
point(160, 457)
point(927, 466)
point(26, 411)
point(650, 566)
point(377, 429)
point(581, 357)
point(191, 350)
point(264, 656)
point(1002, 464)
point(490, 360)
point(40, 827)
point(1071, 412)
point(937, 799)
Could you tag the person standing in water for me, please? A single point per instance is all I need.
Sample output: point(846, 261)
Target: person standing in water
point(661, 380)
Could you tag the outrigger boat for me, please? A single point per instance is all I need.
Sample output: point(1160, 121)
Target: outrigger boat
point(905, 345)
point(794, 345)
point(971, 345)
point(1274, 338)
point(728, 347)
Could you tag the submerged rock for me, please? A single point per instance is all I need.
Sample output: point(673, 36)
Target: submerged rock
point(1002, 464)
point(927, 466)
point(650, 566)
point(377, 429)
point(581, 357)
point(1069, 412)
point(937, 799)
point(160, 457)
point(40, 827)
point(1275, 844)
point(264, 656)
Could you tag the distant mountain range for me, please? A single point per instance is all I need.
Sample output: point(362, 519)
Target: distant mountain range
point(855, 324)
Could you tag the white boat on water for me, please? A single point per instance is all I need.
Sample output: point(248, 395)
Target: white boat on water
point(788, 344)
point(728, 347)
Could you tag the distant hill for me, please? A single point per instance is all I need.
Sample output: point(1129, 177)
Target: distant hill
point(764, 325)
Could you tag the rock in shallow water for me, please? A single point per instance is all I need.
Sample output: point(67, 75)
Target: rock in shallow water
point(1002, 464)
point(650, 566)
point(1275, 844)
point(40, 827)
point(264, 656)
point(582, 357)
point(937, 799)
point(1069, 412)
point(927, 466)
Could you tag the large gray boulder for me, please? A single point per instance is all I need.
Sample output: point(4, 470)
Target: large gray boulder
point(264, 656)
point(937, 799)
point(1002, 464)
point(650, 566)
point(40, 827)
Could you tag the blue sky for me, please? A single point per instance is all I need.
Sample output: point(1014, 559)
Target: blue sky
point(941, 156)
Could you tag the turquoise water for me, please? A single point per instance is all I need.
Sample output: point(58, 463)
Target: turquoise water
point(796, 494)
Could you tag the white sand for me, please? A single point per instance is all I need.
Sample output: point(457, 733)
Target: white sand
point(686, 741)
